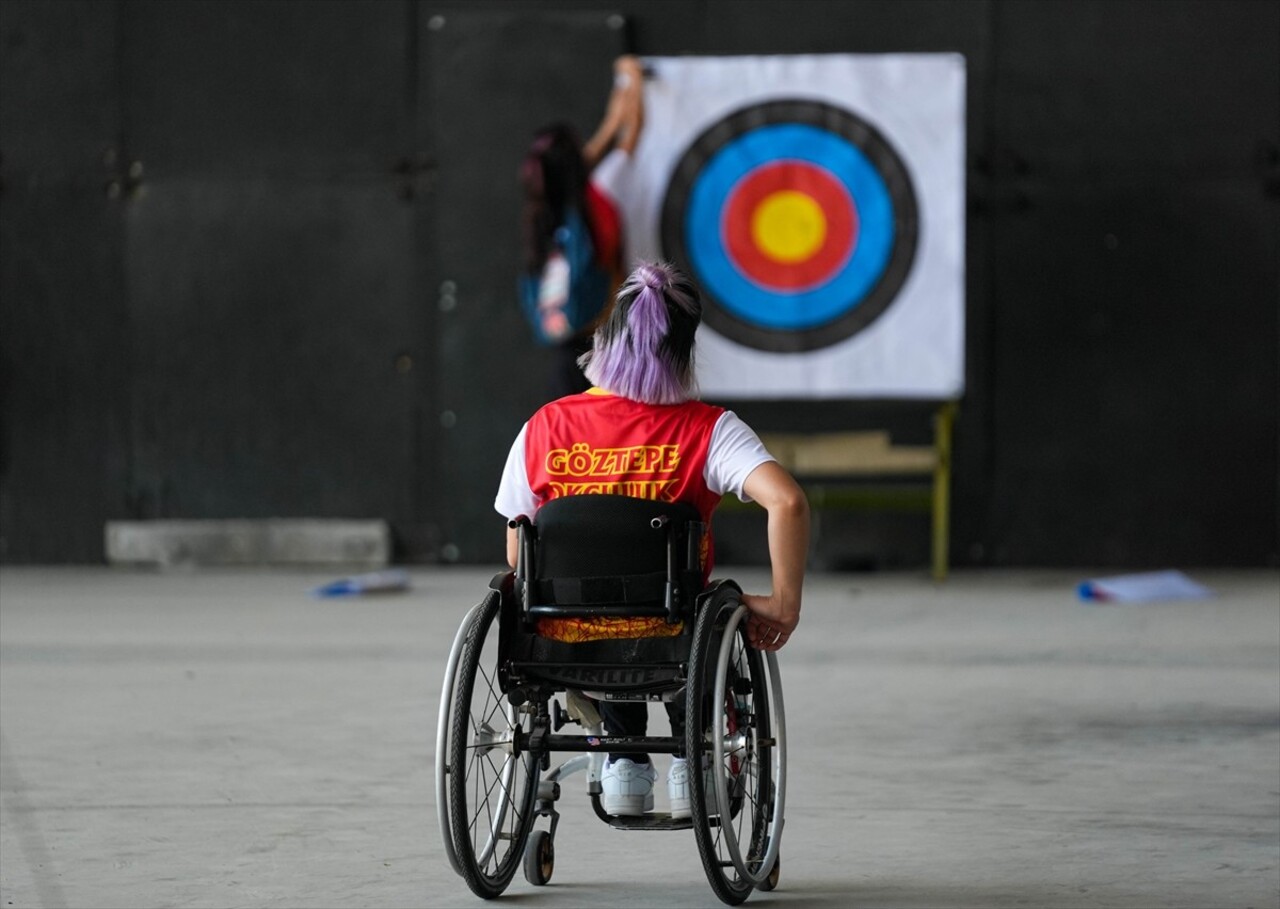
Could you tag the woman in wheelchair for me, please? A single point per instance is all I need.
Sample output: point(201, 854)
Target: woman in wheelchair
point(641, 432)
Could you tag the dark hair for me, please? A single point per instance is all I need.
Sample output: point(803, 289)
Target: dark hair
point(554, 177)
point(644, 350)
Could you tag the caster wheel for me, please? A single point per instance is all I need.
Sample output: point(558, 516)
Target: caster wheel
point(771, 881)
point(539, 858)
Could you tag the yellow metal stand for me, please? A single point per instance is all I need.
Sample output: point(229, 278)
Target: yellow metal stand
point(943, 422)
point(834, 467)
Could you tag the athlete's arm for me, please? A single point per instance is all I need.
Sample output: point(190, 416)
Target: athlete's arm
point(513, 546)
point(514, 495)
point(624, 114)
point(775, 615)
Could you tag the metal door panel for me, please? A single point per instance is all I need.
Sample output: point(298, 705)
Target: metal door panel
point(490, 80)
point(266, 87)
point(1135, 376)
point(274, 346)
point(63, 332)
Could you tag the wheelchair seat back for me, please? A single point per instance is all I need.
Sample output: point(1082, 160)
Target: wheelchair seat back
point(606, 556)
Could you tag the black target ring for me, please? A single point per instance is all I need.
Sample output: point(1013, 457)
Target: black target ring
point(812, 135)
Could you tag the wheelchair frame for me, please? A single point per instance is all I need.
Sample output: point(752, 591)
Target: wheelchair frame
point(499, 720)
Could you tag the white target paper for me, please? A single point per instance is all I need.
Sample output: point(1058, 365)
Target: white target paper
point(818, 202)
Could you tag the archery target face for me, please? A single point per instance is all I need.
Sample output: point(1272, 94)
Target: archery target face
point(796, 218)
point(817, 201)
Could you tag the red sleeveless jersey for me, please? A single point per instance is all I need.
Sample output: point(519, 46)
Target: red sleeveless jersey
point(598, 443)
point(604, 444)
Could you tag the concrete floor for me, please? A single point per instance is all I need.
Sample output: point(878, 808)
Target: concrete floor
point(220, 738)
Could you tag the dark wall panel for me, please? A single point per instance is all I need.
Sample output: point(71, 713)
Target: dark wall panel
point(867, 27)
point(1136, 378)
point(1134, 283)
point(296, 90)
point(271, 260)
point(60, 91)
point(491, 79)
point(63, 372)
point(63, 332)
point(1096, 90)
point(270, 322)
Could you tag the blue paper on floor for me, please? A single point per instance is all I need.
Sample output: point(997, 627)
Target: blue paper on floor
point(373, 582)
point(1145, 587)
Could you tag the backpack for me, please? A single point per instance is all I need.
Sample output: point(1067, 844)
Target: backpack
point(572, 288)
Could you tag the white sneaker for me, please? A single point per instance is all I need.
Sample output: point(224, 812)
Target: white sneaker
point(627, 787)
point(678, 789)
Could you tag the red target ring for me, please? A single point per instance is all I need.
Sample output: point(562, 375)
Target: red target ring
point(767, 283)
point(789, 225)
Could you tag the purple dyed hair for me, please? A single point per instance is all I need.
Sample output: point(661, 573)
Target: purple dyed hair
point(644, 350)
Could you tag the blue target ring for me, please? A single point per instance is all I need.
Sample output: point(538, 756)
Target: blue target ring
point(766, 315)
point(800, 142)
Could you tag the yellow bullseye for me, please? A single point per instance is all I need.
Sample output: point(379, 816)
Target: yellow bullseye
point(788, 226)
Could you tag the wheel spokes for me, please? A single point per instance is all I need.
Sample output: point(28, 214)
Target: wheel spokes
point(494, 782)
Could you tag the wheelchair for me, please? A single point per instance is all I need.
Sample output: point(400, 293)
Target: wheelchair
point(592, 556)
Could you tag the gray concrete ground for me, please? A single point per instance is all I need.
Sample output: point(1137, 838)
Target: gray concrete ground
point(219, 738)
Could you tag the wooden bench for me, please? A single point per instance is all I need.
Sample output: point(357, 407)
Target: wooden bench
point(834, 468)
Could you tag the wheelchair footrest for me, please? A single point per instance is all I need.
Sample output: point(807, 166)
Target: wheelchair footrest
point(654, 820)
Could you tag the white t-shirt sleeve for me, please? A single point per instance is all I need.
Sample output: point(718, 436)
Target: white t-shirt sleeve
point(514, 495)
point(735, 451)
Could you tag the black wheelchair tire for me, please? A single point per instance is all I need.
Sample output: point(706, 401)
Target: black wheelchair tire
point(488, 859)
point(749, 806)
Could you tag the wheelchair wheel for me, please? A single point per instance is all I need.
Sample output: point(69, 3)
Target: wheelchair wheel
point(734, 727)
point(442, 736)
point(491, 783)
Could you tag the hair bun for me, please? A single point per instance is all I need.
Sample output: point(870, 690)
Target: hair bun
point(653, 275)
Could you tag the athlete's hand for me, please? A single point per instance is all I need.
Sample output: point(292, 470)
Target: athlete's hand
point(770, 623)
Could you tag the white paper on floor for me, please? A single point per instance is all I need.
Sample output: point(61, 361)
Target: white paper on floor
point(1144, 587)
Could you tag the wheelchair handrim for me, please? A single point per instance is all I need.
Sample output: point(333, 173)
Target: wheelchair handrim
point(478, 838)
point(442, 738)
point(772, 684)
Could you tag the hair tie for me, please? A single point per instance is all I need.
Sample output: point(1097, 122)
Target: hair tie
point(653, 278)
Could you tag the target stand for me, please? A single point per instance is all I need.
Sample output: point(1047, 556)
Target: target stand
point(865, 471)
point(800, 222)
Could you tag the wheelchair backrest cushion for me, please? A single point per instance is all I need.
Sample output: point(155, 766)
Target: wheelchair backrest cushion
point(595, 536)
